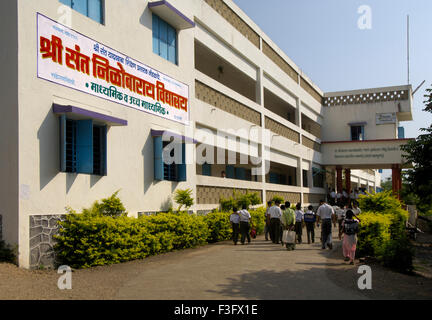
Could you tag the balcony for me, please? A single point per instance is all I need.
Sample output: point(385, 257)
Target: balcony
point(219, 69)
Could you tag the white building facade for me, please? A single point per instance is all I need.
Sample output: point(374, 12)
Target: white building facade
point(92, 86)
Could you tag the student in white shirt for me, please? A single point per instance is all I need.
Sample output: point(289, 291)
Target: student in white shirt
point(244, 225)
point(326, 213)
point(356, 210)
point(333, 197)
point(235, 224)
point(275, 214)
point(298, 225)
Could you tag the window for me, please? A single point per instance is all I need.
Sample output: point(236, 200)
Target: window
point(357, 133)
point(240, 173)
point(164, 39)
point(90, 8)
point(277, 178)
point(318, 177)
point(230, 172)
point(169, 172)
point(401, 133)
point(305, 178)
point(206, 169)
point(82, 147)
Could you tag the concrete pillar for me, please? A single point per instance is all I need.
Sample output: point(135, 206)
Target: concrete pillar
point(259, 89)
point(298, 115)
point(299, 179)
point(396, 180)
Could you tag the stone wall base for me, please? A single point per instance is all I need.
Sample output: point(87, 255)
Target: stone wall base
point(42, 230)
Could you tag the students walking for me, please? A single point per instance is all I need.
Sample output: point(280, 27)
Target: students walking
point(310, 219)
point(350, 229)
point(267, 220)
point(288, 221)
point(275, 215)
point(325, 213)
point(340, 214)
point(244, 225)
point(235, 224)
point(299, 223)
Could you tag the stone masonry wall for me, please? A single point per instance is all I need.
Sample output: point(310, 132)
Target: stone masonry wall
point(42, 230)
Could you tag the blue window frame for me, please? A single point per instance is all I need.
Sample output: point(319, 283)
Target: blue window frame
point(82, 147)
point(401, 133)
point(206, 169)
point(230, 172)
point(273, 178)
point(168, 172)
point(164, 39)
point(90, 8)
point(240, 173)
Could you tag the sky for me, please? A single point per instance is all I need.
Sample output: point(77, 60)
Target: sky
point(323, 39)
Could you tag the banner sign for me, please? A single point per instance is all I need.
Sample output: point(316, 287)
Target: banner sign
point(385, 118)
point(69, 58)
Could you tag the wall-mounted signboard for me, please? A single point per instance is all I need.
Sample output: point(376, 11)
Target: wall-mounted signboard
point(385, 118)
point(73, 60)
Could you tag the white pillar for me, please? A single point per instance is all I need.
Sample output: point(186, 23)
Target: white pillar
point(260, 100)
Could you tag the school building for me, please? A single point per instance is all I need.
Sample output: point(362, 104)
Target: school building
point(91, 89)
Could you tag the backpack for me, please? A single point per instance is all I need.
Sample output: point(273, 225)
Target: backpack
point(351, 227)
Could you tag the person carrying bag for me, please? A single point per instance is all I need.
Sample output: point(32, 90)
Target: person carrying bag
point(288, 221)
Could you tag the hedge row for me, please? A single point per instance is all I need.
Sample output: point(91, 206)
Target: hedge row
point(86, 241)
point(382, 235)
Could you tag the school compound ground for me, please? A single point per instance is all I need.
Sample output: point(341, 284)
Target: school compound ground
point(222, 271)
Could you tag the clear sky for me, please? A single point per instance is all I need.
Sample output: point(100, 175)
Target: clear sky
point(323, 38)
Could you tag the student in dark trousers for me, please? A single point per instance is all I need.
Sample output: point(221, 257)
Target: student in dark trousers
point(235, 224)
point(299, 220)
point(244, 225)
point(267, 221)
point(310, 219)
point(275, 215)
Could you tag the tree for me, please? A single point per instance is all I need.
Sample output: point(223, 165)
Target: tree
point(387, 185)
point(184, 198)
point(419, 152)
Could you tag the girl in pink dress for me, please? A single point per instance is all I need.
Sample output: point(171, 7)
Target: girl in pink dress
point(350, 228)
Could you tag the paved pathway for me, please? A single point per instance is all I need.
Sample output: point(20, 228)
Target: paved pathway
point(260, 270)
point(221, 271)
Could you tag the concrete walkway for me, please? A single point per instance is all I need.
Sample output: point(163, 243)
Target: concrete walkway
point(222, 271)
point(260, 270)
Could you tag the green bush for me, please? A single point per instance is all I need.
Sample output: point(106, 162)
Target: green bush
point(7, 254)
point(227, 205)
point(219, 226)
point(374, 233)
point(85, 241)
point(383, 235)
point(103, 234)
point(379, 202)
point(258, 219)
point(110, 207)
point(278, 198)
point(238, 200)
